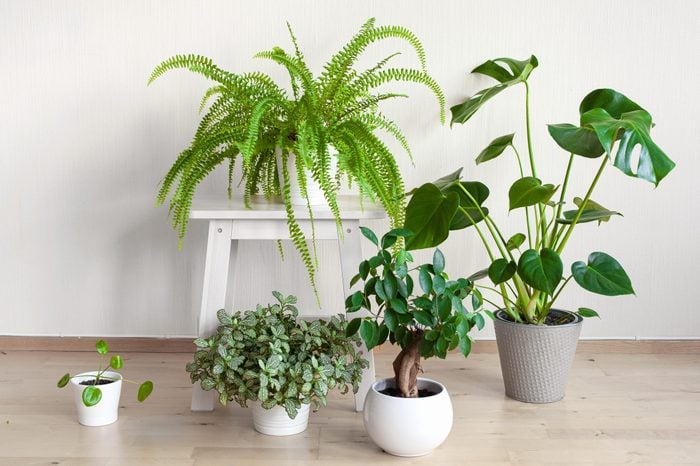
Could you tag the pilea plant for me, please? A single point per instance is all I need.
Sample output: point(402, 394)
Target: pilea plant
point(612, 128)
point(92, 394)
point(266, 355)
point(252, 119)
point(427, 323)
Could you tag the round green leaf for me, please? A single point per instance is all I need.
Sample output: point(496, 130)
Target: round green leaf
point(116, 362)
point(515, 241)
point(390, 319)
point(102, 347)
point(542, 271)
point(369, 331)
point(63, 381)
point(502, 270)
point(91, 395)
point(602, 275)
point(438, 261)
point(369, 234)
point(587, 312)
point(426, 282)
point(529, 191)
point(145, 390)
point(353, 326)
point(423, 317)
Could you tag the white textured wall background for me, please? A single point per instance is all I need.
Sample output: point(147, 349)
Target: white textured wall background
point(84, 142)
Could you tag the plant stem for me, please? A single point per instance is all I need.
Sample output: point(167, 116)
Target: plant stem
point(527, 209)
point(493, 229)
point(479, 232)
point(527, 126)
point(553, 236)
point(560, 248)
point(556, 295)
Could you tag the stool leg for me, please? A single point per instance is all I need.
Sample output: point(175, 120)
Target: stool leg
point(350, 257)
point(219, 251)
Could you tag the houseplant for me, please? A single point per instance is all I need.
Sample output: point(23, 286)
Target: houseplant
point(332, 119)
point(409, 415)
point(281, 365)
point(536, 341)
point(97, 393)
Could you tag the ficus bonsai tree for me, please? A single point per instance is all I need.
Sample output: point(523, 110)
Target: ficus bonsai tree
point(428, 321)
point(267, 355)
point(526, 268)
point(92, 394)
point(252, 119)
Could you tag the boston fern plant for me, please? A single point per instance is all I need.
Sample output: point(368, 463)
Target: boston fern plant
point(266, 355)
point(425, 321)
point(526, 268)
point(253, 119)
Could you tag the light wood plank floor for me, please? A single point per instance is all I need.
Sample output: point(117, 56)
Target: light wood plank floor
point(620, 408)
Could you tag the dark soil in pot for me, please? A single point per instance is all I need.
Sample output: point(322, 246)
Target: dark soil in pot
point(422, 393)
point(554, 318)
point(96, 382)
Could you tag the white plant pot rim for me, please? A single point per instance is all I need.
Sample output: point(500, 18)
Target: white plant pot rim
point(390, 381)
point(90, 375)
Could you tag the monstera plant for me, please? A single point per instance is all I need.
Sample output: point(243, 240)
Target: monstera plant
point(526, 269)
point(328, 120)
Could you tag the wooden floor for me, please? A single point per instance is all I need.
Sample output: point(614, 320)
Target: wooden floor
point(619, 409)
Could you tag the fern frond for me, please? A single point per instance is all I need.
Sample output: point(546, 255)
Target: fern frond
point(295, 233)
point(195, 63)
point(335, 72)
point(377, 120)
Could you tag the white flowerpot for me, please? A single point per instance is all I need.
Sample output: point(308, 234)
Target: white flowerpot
point(408, 426)
point(275, 421)
point(313, 188)
point(107, 410)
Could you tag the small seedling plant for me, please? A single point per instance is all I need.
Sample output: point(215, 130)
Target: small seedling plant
point(92, 393)
point(425, 321)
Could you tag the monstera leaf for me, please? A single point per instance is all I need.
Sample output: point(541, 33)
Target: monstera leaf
point(478, 192)
point(593, 212)
point(495, 148)
point(541, 270)
point(603, 275)
point(428, 216)
point(632, 129)
point(529, 191)
point(607, 116)
point(507, 71)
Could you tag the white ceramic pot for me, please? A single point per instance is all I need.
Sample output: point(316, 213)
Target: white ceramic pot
point(275, 421)
point(408, 426)
point(107, 410)
point(313, 188)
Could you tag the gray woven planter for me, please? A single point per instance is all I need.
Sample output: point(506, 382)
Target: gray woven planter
point(535, 359)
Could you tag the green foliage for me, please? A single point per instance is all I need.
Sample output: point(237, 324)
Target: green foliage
point(400, 311)
point(253, 119)
point(266, 355)
point(92, 394)
point(612, 127)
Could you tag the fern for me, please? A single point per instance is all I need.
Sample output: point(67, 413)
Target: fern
point(249, 116)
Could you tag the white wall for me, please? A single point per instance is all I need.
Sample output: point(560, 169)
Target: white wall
point(84, 144)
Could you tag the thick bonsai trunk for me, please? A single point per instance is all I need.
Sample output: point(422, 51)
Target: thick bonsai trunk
point(407, 366)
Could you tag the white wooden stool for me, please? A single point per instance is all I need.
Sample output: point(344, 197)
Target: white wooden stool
point(230, 221)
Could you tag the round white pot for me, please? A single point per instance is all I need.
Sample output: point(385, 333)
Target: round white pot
point(107, 410)
point(408, 426)
point(275, 421)
point(313, 188)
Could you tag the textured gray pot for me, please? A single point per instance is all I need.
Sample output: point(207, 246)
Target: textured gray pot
point(535, 359)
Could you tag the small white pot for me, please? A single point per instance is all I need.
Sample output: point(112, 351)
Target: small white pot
point(107, 410)
point(275, 421)
point(408, 426)
point(313, 188)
